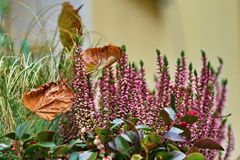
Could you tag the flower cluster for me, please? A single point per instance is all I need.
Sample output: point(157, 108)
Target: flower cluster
point(122, 92)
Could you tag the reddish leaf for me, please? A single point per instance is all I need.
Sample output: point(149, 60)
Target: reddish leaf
point(165, 116)
point(207, 143)
point(186, 132)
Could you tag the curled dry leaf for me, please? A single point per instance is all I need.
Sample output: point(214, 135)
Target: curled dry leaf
point(69, 24)
point(99, 58)
point(49, 99)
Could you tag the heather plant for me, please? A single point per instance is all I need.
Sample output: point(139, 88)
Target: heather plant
point(187, 110)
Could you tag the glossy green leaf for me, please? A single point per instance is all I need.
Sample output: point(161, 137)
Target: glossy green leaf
point(47, 144)
point(102, 133)
point(143, 127)
point(117, 122)
point(190, 119)
point(46, 136)
point(74, 142)
point(31, 149)
point(152, 140)
point(176, 130)
point(164, 155)
point(11, 135)
point(173, 147)
point(174, 137)
point(126, 137)
point(172, 104)
point(4, 147)
point(195, 156)
point(122, 145)
point(88, 155)
point(60, 151)
point(23, 130)
point(74, 156)
point(177, 155)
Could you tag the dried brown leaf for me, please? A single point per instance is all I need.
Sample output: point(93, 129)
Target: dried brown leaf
point(49, 99)
point(69, 24)
point(99, 58)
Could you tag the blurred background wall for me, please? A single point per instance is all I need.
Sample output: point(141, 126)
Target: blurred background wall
point(144, 25)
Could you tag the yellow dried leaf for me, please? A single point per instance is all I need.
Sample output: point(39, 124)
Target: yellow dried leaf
point(69, 24)
point(99, 58)
point(49, 99)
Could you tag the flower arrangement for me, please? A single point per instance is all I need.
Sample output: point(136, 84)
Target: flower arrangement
point(109, 112)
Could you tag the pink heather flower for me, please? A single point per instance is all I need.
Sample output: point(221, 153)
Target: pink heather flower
point(230, 145)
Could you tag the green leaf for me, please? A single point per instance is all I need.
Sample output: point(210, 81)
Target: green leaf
point(122, 145)
point(177, 155)
point(46, 136)
point(152, 140)
point(126, 137)
point(102, 133)
point(74, 156)
point(74, 142)
point(174, 137)
point(31, 149)
point(164, 156)
point(11, 135)
point(190, 119)
point(28, 142)
point(176, 130)
point(195, 156)
point(117, 122)
point(144, 127)
point(4, 147)
point(23, 129)
point(60, 151)
point(207, 143)
point(173, 147)
point(47, 144)
point(172, 104)
point(88, 155)
point(26, 136)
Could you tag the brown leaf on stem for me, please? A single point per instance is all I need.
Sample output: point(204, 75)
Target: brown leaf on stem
point(69, 24)
point(99, 58)
point(49, 99)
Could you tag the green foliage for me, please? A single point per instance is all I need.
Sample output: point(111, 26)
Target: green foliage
point(122, 139)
